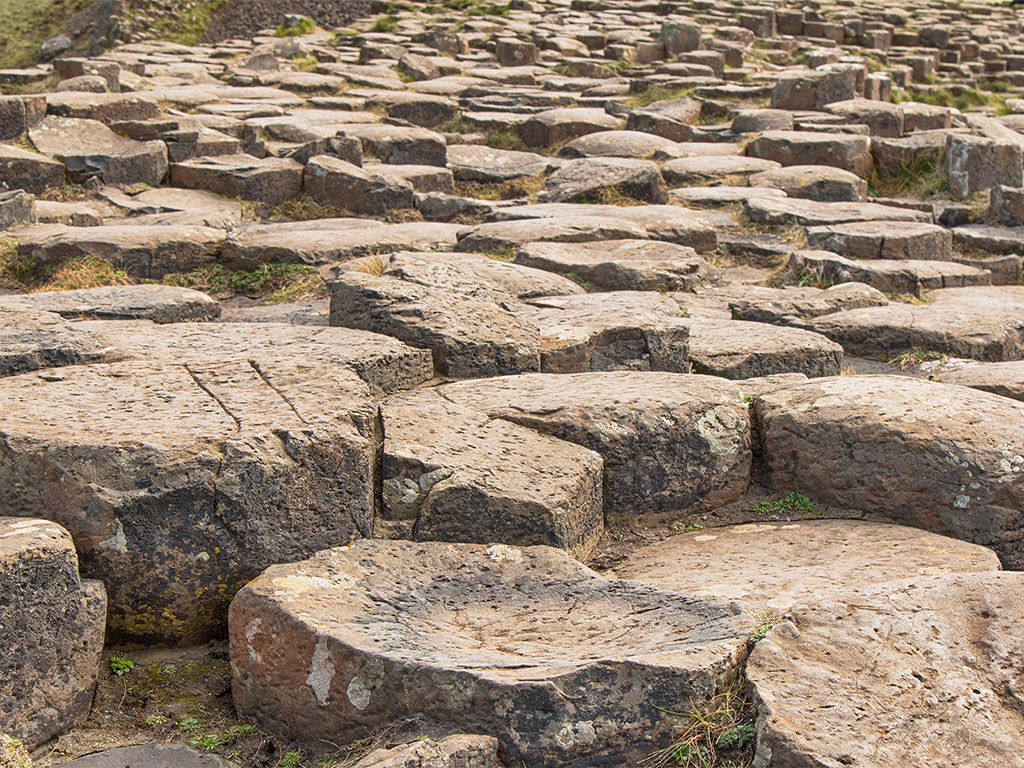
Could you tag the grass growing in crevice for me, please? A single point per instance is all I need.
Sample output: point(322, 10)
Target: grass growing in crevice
point(385, 24)
point(658, 93)
point(964, 99)
point(513, 189)
point(507, 139)
point(922, 179)
point(718, 734)
point(273, 283)
point(914, 357)
point(305, 26)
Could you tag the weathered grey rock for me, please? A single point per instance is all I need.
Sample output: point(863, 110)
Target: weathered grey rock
point(52, 624)
point(702, 170)
point(420, 109)
point(622, 330)
point(149, 756)
point(105, 107)
point(398, 144)
point(273, 463)
point(584, 688)
point(269, 180)
point(1006, 379)
point(632, 144)
point(160, 303)
point(849, 152)
point(68, 214)
point(935, 456)
point(450, 752)
point(458, 475)
point(621, 265)
point(813, 90)
point(742, 350)
point(19, 114)
point(983, 323)
point(670, 442)
point(586, 179)
point(385, 364)
point(467, 336)
point(338, 184)
point(488, 166)
point(508, 235)
point(758, 120)
point(884, 119)
point(30, 171)
point(89, 150)
point(31, 340)
point(794, 305)
point(558, 126)
point(864, 677)
point(891, 277)
point(976, 163)
point(141, 251)
point(812, 560)
point(884, 240)
point(16, 209)
point(670, 119)
point(1007, 205)
point(814, 182)
point(776, 211)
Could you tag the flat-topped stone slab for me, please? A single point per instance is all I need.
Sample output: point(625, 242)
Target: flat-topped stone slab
point(142, 251)
point(621, 265)
point(52, 623)
point(1006, 379)
point(906, 276)
point(984, 323)
point(688, 171)
point(742, 350)
point(271, 180)
point(791, 305)
point(936, 456)
point(273, 463)
point(670, 442)
point(456, 474)
point(32, 339)
point(149, 756)
point(810, 213)
point(812, 560)
point(884, 240)
point(814, 182)
point(904, 667)
point(160, 303)
point(476, 637)
point(850, 152)
point(485, 165)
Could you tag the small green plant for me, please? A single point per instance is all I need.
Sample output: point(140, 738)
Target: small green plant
point(13, 753)
point(154, 720)
point(737, 737)
point(290, 759)
point(658, 93)
point(209, 742)
point(506, 253)
point(766, 621)
point(749, 400)
point(240, 731)
point(385, 24)
point(586, 285)
point(169, 669)
point(794, 502)
point(121, 666)
point(304, 27)
point(189, 724)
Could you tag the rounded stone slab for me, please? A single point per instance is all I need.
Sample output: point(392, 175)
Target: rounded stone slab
point(459, 475)
point(180, 482)
point(52, 624)
point(936, 456)
point(884, 240)
point(889, 276)
point(737, 349)
point(634, 144)
point(700, 170)
point(811, 560)
point(621, 265)
point(31, 340)
point(1006, 379)
point(160, 303)
point(900, 673)
point(589, 177)
point(814, 182)
point(984, 323)
point(484, 165)
point(149, 756)
point(565, 668)
point(670, 442)
point(809, 213)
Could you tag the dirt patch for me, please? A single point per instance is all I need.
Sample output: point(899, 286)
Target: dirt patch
point(243, 18)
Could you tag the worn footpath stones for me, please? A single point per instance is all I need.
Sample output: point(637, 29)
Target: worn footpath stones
point(894, 277)
point(859, 678)
point(476, 638)
point(812, 561)
point(936, 456)
point(52, 622)
point(670, 442)
point(274, 462)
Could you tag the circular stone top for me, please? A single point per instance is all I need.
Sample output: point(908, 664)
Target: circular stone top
point(776, 565)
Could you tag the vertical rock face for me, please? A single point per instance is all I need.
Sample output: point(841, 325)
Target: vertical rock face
point(563, 667)
point(174, 514)
point(923, 671)
point(944, 458)
point(52, 627)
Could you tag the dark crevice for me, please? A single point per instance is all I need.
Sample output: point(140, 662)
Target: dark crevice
point(213, 396)
point(266, 380)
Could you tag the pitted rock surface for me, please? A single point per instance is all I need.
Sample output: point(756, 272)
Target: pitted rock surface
point(563, 667)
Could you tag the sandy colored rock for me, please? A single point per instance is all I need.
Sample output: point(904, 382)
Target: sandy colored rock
point(476, 637)
point(906, 667)
point(31, 340)
point(936, 456)
point(884, 240)
point(812, 561)
point(160, 303)
point(52, 623)
point(742, 350)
